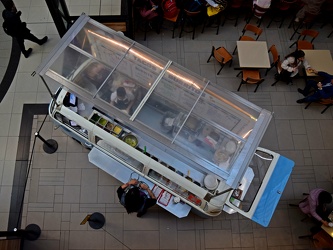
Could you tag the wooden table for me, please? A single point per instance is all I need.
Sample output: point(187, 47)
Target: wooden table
point(320, 60)
point(253, 54)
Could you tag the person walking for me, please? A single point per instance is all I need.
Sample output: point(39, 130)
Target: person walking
point(14, 27)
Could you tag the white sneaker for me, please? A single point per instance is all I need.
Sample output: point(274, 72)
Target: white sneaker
point(296, 19)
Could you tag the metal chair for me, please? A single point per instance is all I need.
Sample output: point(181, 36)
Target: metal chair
point(257, 12)
point(211, 19)
point(174, 20)
point(250, 76)
point(328, 102)
point(307, 22)
point(302, 43)
point(256, 32)
point(275, 57)
point(222, 56)
point(280, 10)
point(235, 7)
point(192, 19)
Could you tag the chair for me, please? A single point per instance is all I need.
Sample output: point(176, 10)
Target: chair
point(235, 7)
point(328, 102)
point(303, 43)
point(257, 12)
point(307, 22)
point(279, 75)
point(250, 28)
point(174, 20)
point(275, 57)
point(330, 34)
point(280, 10)
point(222, 56)
point(144, 24)
point(192, 19)
point(250, 76)
point(211, 19)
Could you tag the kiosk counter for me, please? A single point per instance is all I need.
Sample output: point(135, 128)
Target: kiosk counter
point(143, 114)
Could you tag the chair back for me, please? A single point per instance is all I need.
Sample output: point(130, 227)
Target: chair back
point(254, 29)
point(191, 13)
point(217, 55)
point(221, 55)
point(274, 53)
point(235, 4)
point(285, 4)
point(308, 33)
point(259, 11)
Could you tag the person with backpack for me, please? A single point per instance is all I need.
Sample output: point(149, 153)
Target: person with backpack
point(136, 197)
point(14, 27)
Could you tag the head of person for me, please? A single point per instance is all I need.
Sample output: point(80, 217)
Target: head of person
point(121, 93)
point(9, 5)
point(133, 200)
point(143, 4)
point(299, 55)
point(324, 198)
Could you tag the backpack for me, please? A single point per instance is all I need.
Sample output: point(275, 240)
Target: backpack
point(170, 9)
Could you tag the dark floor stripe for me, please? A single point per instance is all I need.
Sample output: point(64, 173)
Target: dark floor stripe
point(22, 161)
point(13, 63)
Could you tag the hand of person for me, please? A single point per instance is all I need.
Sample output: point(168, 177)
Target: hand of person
point(133, 182)
point(144, 186)
point(325, 223)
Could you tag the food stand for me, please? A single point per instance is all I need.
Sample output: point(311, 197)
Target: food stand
point(143, 114)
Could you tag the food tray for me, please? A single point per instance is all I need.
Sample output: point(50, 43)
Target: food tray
point(117, 130)
point(94, 118)
point(109, 127)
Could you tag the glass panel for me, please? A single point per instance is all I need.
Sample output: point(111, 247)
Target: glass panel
point(172, 99)
point(259, 164)
point(131, 80)
point(106, 47)
point(228, 111)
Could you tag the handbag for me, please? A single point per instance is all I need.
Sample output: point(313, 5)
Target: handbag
point(222, 4)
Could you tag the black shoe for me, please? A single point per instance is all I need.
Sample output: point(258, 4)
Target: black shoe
point(43, 40)
point(301, 91)
point(300, 101)
point(27, 53)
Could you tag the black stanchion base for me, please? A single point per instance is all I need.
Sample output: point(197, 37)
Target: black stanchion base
point(96, 220)
point(32, 232)
point(52, 147)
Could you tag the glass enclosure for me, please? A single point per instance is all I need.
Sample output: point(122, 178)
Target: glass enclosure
point(183, 111)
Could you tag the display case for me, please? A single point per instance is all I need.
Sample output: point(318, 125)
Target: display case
point(151, 115)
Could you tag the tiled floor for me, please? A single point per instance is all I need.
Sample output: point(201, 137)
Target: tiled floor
point(64, 187)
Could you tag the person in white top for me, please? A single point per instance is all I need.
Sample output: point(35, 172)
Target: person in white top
point(291, 64)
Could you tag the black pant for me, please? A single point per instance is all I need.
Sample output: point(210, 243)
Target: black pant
point(26, 36)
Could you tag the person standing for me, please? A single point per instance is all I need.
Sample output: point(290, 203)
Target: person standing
point(133, 196)
point(311, 7)
point(13, 26)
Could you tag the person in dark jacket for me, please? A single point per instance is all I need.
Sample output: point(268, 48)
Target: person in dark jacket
point(132, 196)
point(322, 89)
point(13, 26)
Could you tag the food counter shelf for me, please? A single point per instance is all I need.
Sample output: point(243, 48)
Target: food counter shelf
point(123, 174)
